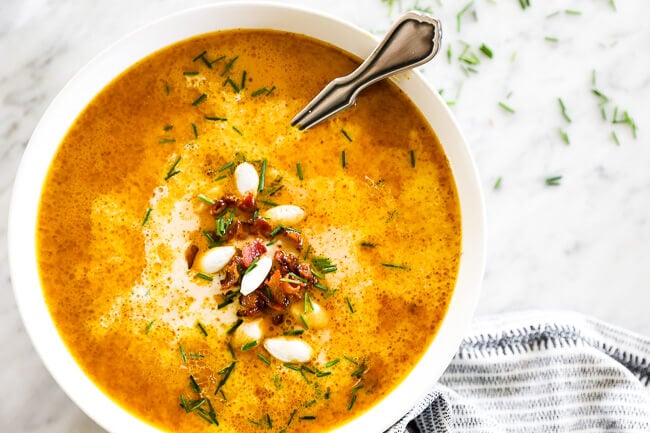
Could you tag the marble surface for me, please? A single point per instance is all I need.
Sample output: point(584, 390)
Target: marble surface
point(583, 245)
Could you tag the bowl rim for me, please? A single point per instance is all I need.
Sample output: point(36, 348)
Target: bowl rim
point(97, 73)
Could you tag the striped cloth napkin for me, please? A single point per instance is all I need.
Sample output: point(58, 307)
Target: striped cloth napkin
point(540, 372)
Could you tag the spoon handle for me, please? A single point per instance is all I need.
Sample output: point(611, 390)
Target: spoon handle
point(412, 41)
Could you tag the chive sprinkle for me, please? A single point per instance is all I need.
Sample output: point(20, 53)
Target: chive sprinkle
point(205, 199)
point(232, 84)
point(343, 158)
point(393, 265)
point(551, 39)
point(332, 363)
point(172, 171)
point(460, 14)
point(553, 181)
point(168, 127)
point(226, 166)
point(229, 66)
point(215, 118)
point(196, 132)
point(572, 12)
point(234, 327)
point(146, 216)
point(563, 109)
point(565, 136)
point(190, 73)
point(412, 153)
point(270, 91)
point(243, 80)
point(199, 56)
point(148, 328)
point(222, 177)
point(307, 418)
point(166, 140)
point(167, 88)
point(299, 171)
point(368, 244)
point(304, 321)
point(344, 132)
point(237, 130)
point(497, 184)
point(204, 276)
point(226, 374)
point(249, 345)
point(200, 99)
point(202, 328)
point(350, 307)
point(195, 386)
point(486, 50)
point(231, 350)
point(260, 186)
point(258, 92)
point(506, 107)
point(182, 352)
point(196, 355)
point(352, 400)
point(293, 332)
point(615, 138)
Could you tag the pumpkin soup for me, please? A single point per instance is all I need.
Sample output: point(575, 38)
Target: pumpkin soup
point(210, 266)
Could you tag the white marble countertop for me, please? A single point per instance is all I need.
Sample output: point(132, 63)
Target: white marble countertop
point(583, 245)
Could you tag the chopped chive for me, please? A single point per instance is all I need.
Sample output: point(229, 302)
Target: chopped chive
point(270, 91)
point(346, 135)
point(321, 287)
point(393, 265)
point(314, 273)
point(358, 372)
point(200, 99)
point(232, 84)
point(243, 80)
point(268, 421)
point(506, 107)
point(168, 127)
point(249, 345)
point(268, 244)
point(146, 216)
point(234, 327)
point(229, 66)
point(324, 264)
point(565, 136)
point(199, 56)
point(182, 352)
point(166, 140)
point(343, 158)
point(350, 307)
point(603, 98)
point(294, 332)
point(259, 92)
point(226, 374)
point(603, 114)
point(615, 137)
point(368, 244)
point(204, 276)
point(222, 177)
point(332, 363)
point(167, 88)
point(252, 266)
point(196, 355)
point(563, 108)
point(524, 3)
point(497, 184)
point(172, 171)
point(486, 50)
point(184, 404)
point(276, 230)
point(291, 366)
point(226, 166)
point(352, 400)
point(205, 199)
point(190, 73)
point(304, 321)
point(412, 153)
point(237, 130)
point(612, 4)
point(553, 181)
point(268, 202)
point(290, 281)
point(148, 328)
point(202, 328)
point(449, 54)
point(572, 12)
point(260, 186)
point(391, 215)
point(551, 39)
point(196, 132)
point(462, 12)
point(194, 385)
point(299, 171)
point(307, 418)
point(231, 350)
point(554, 14)
point(215, 119)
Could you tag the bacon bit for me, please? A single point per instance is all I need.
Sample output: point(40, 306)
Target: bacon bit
point(247, 204)
point(251, 252)
point(262, 226)
point(304, 270)
point(252, 304)
point(223, 203)
point(234, 231)
point(279, 300)
point(291, 289)
point(232, 274)
point(190, 255)
point(294, 237)
point(286, 262)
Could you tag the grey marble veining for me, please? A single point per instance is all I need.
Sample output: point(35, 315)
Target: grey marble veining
point(583, 245)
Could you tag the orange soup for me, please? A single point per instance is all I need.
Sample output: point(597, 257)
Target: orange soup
point(206, 263)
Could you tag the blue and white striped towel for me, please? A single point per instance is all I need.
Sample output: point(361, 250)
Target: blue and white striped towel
point(540, 372)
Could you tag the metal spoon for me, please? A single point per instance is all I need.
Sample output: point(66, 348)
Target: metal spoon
point(412, 41)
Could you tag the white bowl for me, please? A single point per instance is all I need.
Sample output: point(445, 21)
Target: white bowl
point(107, 65)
